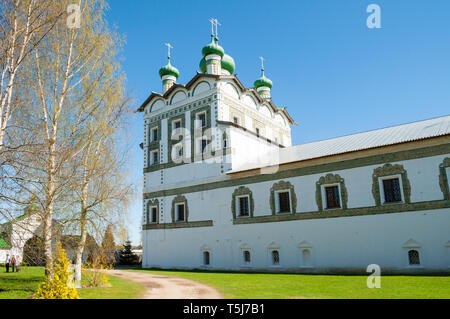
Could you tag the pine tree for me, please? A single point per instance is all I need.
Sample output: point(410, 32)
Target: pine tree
point(108, 245)
point(126, 256)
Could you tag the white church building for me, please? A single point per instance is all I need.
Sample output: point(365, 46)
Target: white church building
point(225, 189)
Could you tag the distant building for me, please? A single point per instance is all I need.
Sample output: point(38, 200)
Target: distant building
point(23, 235)
point(14, 234)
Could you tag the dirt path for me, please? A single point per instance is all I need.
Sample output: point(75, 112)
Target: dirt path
point(167, 287)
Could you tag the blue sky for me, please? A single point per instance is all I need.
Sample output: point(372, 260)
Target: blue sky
point(334, 74)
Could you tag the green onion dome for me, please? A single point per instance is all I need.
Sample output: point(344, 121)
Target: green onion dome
point(263, 81)
point(169, 70)
point(202, 65)
point(228, 63)
point(213, 48)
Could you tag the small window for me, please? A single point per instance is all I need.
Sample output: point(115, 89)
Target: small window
point(177, 124)
point(257, 131)
point(206, 258)
point(306, 256)
point(178, 151)
point(202, 119)
point(413, 257)
point(154, 135)
point(204, 143)
point(236, 120)
point(284, 202)
point(154, 214)
point(180, 212)
point(243, 206)
point(275, 257)
point(332, 197)
point(155, 159)
point(247, 256)
point(392, 192)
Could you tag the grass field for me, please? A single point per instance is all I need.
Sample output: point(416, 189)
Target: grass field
point(23, 284)
point(288, 286)
point(248, 285)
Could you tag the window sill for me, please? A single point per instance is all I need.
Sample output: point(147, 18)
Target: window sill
point(246, 265)
point(333, 208)
point(393, 203)
point(414, 266)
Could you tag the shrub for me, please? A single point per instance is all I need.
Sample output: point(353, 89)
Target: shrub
point(93, 271)
point(59, 284)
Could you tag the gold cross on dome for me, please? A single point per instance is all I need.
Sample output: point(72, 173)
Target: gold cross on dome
point(169, 46)
point(216, 22)
point(262, 63)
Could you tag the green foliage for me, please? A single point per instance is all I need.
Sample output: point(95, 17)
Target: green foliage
point(126, 256)
point(59, 284)
point(94, 271)
point(109, 246)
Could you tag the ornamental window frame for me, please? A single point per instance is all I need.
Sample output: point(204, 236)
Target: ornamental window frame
point(152, 203)
point(177, 212)
point(408, 247)
point(238, 204)
point(240, 192)
point(444, 174)
point(327, 181)
point(152, 220)
point(153, 160)
point(154, 134)
point(388, 171)
point(178, 200)
point(383, 191)
point(274, 247)
point(278, 201)
point(325, 199)
point(280, 187)
point(245, 249)
point(199, 124)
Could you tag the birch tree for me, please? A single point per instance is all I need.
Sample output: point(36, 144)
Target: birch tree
point(20, 22)
point(71, 70)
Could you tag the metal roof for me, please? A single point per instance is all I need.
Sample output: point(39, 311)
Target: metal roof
point(382, 137)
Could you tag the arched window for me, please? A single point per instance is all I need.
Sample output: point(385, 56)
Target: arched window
point(246, 256)
point(206, 258)
point(306, 255)
point(413, 256)
point(275, 257)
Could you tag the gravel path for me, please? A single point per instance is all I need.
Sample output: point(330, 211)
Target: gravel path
point(167, 287)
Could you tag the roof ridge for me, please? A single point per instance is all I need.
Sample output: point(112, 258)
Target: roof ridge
point(373, 130)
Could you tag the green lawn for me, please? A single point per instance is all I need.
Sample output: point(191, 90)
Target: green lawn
point(247, 285)
point(286, 286)
point(23, 284)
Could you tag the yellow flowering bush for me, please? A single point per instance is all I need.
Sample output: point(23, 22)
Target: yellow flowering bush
point(58, 285)
point(94, 271)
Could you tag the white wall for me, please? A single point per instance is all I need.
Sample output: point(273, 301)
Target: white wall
point(346, 242)
point(349, 242)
